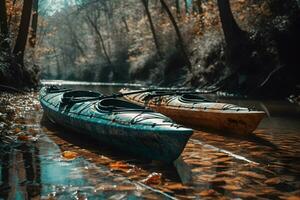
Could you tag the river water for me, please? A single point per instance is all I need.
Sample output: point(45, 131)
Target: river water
point(264, 165)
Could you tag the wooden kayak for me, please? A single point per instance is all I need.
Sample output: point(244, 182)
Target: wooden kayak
point(194, 110)
point(121, 124)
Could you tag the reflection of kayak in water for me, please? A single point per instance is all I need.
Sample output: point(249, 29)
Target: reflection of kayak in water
point(192, 109)
point(124, 125)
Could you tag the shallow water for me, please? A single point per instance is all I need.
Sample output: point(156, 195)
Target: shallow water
point(264, 165)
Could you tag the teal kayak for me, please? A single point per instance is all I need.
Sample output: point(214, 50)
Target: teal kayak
point(118, 123)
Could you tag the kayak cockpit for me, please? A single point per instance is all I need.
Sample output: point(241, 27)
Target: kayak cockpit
point(118, 105)
point(192, 98)
point(76, 96)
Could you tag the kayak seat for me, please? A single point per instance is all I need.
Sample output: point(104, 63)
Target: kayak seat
point(79, 95)
point(192, 98)
point(118, 105)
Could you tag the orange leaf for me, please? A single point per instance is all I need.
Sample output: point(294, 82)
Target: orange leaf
point(69, 154)
point(119, 165)
point(206, 193)
point(153, 179)
point(17, 130)
point(293, 198)
point(273, 181)
point(23, 137)
point(252, 174)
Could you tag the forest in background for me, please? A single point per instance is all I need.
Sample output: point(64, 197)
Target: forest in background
point(249, 47)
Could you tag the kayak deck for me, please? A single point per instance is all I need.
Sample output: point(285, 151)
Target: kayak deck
point(196, 111)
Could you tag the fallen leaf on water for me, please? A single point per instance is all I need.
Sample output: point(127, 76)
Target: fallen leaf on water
point(220, 154)
point(205, 177)
point(153, 179)
point(236, 181)
point(69, 154)
point(257, 153)
point(17, 130)
point(198, 162)
point(134, 177)
point(273, 181)
point(232, 187)
point(226, 173)
point(23, 137)
point(176, 186)
point(32, 131)
point(293, 197)
point(198, 169)
point(221, 160)
point(126, 187)
point(252, 174)
point(120, 166)
point(206, 193)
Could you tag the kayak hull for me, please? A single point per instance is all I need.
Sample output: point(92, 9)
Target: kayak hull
point(163, 143)
point(208, 115)
point(242, 123)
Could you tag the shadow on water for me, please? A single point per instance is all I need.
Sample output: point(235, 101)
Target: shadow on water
point(251, 137)
point(84, 142)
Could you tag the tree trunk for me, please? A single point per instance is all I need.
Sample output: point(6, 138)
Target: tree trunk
point(232, 31)
point(23, 32)
point(34, 23)
point(238, 47)
point(180, 40)
point(101, 38)
point(4, 34)
point(145, 3)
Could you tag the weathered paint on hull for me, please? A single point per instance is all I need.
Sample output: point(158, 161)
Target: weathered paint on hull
point(157, 143)
point(207, 114)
